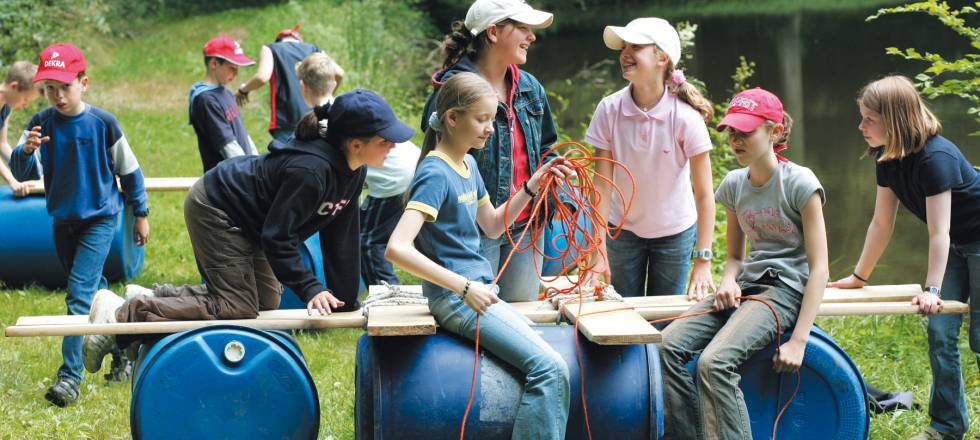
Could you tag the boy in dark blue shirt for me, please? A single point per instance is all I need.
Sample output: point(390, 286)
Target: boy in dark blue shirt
point(79, 150)
point(214, 114)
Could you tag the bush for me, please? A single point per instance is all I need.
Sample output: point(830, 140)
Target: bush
point(958, 77)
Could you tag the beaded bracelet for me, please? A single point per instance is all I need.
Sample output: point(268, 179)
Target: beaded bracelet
point(466, 290)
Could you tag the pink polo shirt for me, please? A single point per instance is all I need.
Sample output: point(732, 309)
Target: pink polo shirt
point(656, 147)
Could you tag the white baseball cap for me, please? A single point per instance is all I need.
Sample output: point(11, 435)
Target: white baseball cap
point(483, 13)
point(650, 30)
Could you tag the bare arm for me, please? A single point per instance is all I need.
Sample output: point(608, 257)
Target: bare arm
point(402, 252)
point(938, 212)
point(701, 282)
point(790, 355)
point(5, 149)
point(876, 241)
point(728, 289)
point(262, 76)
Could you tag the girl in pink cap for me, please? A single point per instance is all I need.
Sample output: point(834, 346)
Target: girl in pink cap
point(778, 206)
point(656, 127)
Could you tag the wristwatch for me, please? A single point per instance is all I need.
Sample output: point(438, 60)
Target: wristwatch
point(931, 289)
point(703, 254)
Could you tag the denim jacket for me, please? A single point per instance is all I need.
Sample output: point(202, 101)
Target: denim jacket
point(533, 113)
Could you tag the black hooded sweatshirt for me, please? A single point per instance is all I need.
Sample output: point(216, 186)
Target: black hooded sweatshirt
point(281, 198)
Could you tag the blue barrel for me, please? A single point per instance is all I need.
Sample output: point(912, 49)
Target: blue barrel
point(831, 403)
point(224, 382)
point(28, 254)
point(313, 259)
point(417, 388)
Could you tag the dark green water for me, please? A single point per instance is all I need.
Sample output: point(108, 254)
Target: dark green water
point(816, 62)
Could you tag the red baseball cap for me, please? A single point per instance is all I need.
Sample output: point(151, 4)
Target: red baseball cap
point(294, 32)
point(228, 50)
point(60, 62)
point(750, 108)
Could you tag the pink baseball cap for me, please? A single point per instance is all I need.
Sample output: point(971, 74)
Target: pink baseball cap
point(750, 108)
point(228, 50)
point(293, 33)
point(61, 62)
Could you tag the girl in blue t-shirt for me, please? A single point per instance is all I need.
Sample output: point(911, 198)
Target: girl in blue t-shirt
point(438, 240)
point(924, 171)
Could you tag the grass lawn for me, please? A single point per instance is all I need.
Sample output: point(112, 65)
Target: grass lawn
point(144, 81)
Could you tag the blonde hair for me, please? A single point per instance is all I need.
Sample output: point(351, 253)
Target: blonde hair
point(23, 73)
point(459, 93)
point(319, 72)
point(907, 120)
point(686, 91)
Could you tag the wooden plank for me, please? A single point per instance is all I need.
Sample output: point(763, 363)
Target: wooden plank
point(156, 184)
point(607, 323)
point(884, 293)
point(407, 320)
point(273, 320)
point(826, 309)
point(539, 312)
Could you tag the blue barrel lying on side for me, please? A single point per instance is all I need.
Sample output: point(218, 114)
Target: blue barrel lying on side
point(224, 382)
point(27, 253)
point(417, 388)
point(313, 258)
point(831, 403)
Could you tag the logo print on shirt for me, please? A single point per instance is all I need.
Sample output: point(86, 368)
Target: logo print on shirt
point(466, 198)
point(332, 208)
point(769, 224)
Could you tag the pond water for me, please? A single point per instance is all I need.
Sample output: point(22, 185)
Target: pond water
point(816, 62)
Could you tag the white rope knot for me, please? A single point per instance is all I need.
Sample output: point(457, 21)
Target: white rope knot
point(392, 296)
point(588, 295)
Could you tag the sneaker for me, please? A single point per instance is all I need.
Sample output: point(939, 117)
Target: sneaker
point(932, 434)
point(95, 347)
point(136, 291)
point(64, 392)
point(120, 369)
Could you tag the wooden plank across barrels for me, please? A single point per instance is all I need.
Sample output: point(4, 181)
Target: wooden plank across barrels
point(156, 184)
point(415, 319)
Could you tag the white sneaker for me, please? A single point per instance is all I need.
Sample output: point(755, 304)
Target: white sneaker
point(96, 347)
point(136, 291)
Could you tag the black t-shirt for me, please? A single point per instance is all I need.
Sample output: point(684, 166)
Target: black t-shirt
point(217, 122)
point(287, 103)
point(939, 167)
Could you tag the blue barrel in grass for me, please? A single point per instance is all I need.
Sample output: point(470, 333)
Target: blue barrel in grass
point(417, 388)
point(224, 382)
point(831, 403)
point(27, 252)
point(313, 259)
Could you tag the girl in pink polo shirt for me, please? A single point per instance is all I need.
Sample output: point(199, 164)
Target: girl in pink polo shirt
point(656, 127)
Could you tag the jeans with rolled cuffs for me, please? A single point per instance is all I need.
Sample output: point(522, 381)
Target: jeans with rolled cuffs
point(961, 282)
point(505, 332)
point(710, 405)
point(651, 266)
point(82, 247)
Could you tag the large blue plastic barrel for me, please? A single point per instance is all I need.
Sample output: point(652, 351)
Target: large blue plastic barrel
point(417, 388)
point(224, 382)
point(27, 252)
point(556, 241)
point(830, 405)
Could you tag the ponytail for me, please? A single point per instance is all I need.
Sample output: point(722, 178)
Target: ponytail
point(314, 124)
point(687, 92)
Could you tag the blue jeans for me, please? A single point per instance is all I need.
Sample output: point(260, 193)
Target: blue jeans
point(543, 410)
point(521, 281)
point(947, 405)
point(82, 247)
point(661, 263)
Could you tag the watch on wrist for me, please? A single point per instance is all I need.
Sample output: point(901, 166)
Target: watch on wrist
point(931, 289)
point(703, 254)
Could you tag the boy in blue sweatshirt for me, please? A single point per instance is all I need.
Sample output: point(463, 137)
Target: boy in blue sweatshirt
point(79, 150)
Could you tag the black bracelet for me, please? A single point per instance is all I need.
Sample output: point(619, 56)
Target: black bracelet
point(863, 280)
point(466, 290)
point(528, 190)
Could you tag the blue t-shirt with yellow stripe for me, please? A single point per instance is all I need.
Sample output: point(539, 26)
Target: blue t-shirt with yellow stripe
point(448, 195)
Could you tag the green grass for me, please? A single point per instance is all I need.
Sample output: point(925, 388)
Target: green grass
point(144, 81)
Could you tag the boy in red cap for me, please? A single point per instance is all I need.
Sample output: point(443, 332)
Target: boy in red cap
point(214, 113)
point(81, 150)
point(15, 93)
point(276, 66)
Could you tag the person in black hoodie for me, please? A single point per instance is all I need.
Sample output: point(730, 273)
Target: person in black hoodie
point(248, 216)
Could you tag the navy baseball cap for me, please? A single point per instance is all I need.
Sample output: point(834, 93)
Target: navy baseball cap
point(363, 113)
